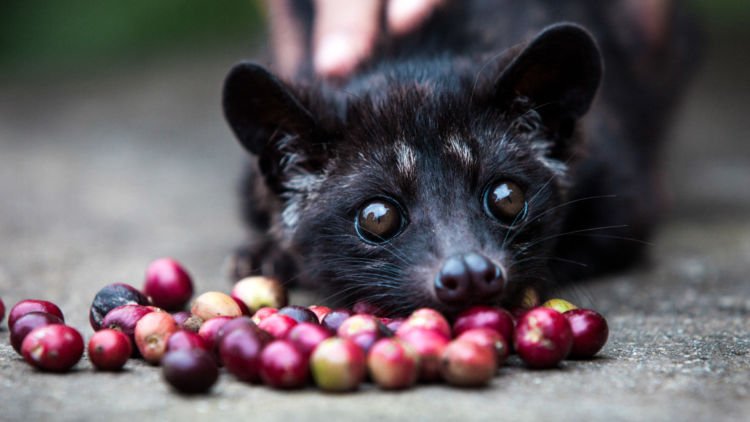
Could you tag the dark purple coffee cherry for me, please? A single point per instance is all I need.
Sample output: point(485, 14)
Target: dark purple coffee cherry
point(110, 297)
point(240, 351)
point(124, 318)
point(190, 371)
point(209, 330)
point(333, 320)
point(32, 305)
point(27, 323)
point(299, 313)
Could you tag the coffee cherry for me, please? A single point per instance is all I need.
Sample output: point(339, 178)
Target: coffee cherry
point(560, 305)
point(181, 317)
point(319, 311)
point(190, 371)
point(233, 324)
point(306, 337)
point(32, 305)
point(263, 313)
point(426, 318)
point(486, 337)
point(209, 330)
point(467, 364)
point(2, 310)
point(429, 345)
point(151, 334)
point(183, 339)
point(110, 297)
point(242, 322)
point(393, 324)
point(362, 329)
point(109, 349)
point(215, 304)
point(333, 320)
point(27, 323)
point(299, 313)
point(245, 310)
point(283, 366)
point(278, 325)
point(590, 332)
point(124, 318)
point(543, 338)
point(259, 291)
point(168, 284)
point(497, 319)
point(240, 351)
point(55, 347)
point(338, 364)
point(393, 364)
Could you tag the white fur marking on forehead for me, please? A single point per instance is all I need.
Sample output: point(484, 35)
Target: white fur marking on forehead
point(406, 160)
point(460, 151)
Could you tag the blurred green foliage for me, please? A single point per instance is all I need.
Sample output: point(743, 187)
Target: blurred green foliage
point(721, 14)
point(35, 34)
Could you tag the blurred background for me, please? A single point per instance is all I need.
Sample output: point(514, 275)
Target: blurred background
point(113, 150)
point(43, 38)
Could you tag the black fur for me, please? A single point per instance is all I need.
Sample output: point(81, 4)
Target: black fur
point(496, 78)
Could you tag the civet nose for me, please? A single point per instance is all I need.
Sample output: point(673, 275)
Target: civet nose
point(468, 278)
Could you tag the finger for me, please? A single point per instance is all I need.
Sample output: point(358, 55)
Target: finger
point(344, 35)
point(286, 37)
point(406, 15)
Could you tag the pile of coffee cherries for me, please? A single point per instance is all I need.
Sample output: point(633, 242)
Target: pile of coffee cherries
point(258, 338)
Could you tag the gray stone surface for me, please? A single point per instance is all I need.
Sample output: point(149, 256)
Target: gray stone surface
point(101, 173)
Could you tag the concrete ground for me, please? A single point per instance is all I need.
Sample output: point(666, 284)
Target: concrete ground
point(100, 173)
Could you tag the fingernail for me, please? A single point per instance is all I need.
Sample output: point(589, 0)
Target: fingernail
point(405, 15)
point(336, 56)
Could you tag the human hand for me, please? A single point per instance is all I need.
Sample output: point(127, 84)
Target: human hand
point(344, 31)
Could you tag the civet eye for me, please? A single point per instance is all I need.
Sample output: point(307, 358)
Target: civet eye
point(506, 202)
point(379, 220)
